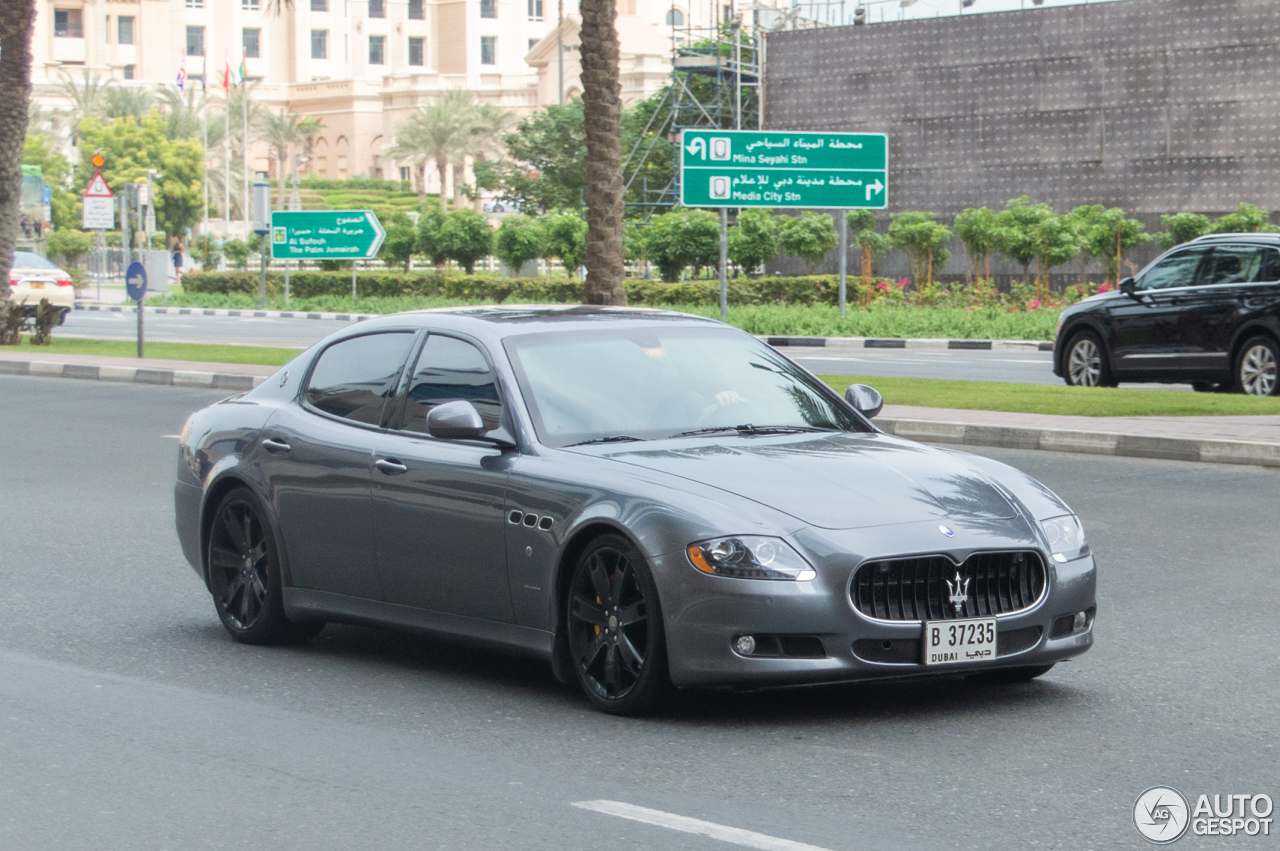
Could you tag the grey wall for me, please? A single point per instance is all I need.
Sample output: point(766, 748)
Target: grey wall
point(1156, 106)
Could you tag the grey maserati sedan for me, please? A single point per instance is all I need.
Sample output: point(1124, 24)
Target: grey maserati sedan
point(649, 501)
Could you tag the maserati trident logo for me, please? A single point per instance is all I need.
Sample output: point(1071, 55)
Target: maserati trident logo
point(959, 591)
point(944, 530)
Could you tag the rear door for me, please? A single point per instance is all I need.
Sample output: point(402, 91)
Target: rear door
point(1207, 313)
point(438, 504)
point(316, 456)
point(1148, 338)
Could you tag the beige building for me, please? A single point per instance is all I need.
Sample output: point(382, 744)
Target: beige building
point(360, 66)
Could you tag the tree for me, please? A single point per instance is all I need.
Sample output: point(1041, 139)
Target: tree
point(565, 238)
point(439, 132)
point(545, 167)
point(809, 236)
point(184, 110)
point(976, 227)
point(1057, 240)
point(131, 149)
point(55, 168)
point(924, 240)
point(119, 102)
point(864, 227)
point(602, 118)
point(1180, 228)
point(1107, 235)
point(429, 245)
point(683, 238)
point(401, 242)
point(16, 21)
point(753, 240)
point(237, 251)
point(87, 98)
point(519, 240)
point(1246, 219)
point(1016, 225)
point(280, 131)
point(69, 244)
point(465, 237)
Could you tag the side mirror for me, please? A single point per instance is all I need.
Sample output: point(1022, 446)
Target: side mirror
point(457, 420)
point(866, 399)
point(1128, 286)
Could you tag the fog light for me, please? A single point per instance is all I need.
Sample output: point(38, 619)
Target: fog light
point(745, 645)
point(1081, 619)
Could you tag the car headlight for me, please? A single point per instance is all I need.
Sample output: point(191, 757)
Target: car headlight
point(1066, 537)
point(750, 557)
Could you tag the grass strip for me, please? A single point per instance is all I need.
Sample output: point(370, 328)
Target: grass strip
point(262, 355)
point(1058, 399)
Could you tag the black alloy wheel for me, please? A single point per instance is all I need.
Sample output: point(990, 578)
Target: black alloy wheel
point(1257, 367)
point(615, 629)
point(244, 574)
point(1085, 363)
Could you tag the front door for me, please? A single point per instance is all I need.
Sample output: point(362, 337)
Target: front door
point(438, 504)
point(316, 455)
point(1147, 333)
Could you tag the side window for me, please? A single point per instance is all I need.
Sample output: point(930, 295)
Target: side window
point(1232, 264)
point(1270, 265)
point(354, 378)
point(1176, 271)
point(447, 370)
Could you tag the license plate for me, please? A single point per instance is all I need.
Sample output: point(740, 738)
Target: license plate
point(959, 642)
point(37, 285)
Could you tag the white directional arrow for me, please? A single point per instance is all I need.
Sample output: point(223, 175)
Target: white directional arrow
point(698, 146)
point(874, 188)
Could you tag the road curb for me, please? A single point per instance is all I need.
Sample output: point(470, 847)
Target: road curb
point(246, 314)
point(1087, 443)
point(131, 374)
point(903, 343)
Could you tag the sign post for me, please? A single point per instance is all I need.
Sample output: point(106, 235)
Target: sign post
point(326, 235)
point(773, 168)
point(135, 284)
point(98, 214)
point(262, 226)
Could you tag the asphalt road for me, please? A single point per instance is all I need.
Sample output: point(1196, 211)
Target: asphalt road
point(131, 721)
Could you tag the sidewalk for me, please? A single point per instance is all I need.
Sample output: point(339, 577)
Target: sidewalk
point(1219, 440)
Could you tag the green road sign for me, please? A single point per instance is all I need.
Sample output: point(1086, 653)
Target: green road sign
point(747, 168)
point(325, 235)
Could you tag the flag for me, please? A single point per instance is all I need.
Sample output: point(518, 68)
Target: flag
point(226, 75)
point(240, 74)
point(182, 77)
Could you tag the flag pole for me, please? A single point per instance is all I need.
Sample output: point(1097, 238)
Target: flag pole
point(226, 149)
point(244, 141)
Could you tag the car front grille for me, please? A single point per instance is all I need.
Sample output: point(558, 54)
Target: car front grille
point(917, 589)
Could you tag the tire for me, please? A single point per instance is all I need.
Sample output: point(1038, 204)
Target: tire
point(1012, 676)
point(244, 575)
point(615, 630)
point(1204, 386)
point(1257, 367)
point(1085, 362)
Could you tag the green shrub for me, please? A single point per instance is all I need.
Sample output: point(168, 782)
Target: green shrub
point(808, 236)
point(466, 238)
point(519, 240)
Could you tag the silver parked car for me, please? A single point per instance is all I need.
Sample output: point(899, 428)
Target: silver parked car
point(646, 500)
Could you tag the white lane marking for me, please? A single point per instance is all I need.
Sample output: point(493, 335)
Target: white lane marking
point(684, 824)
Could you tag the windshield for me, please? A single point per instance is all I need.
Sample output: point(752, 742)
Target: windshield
point(27, 260)
point(654, 383)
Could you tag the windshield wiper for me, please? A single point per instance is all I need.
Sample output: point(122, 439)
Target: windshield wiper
point(616, 438)
point(749, 429)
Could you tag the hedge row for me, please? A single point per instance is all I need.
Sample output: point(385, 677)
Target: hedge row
point(818, 289)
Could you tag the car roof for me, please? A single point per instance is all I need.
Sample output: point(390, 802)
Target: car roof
point(510, 320)
point(1263, 238)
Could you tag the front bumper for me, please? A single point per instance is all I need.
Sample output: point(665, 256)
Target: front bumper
point(705, 614)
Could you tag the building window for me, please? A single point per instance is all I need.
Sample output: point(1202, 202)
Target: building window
point(68, 23)
point(415, 10)
point(535, 10)
point(124, 29)
point(675, 18)
point(376, 43)
point(377, 9)
point(319, 5)
point(195, 41)
point(195, 4)
point(488, 50)
point(249, 5)
point(415, 51)
point(251, 40)
point(319, 44)
point(129, 71)
point(488, 8)
point(533, 42)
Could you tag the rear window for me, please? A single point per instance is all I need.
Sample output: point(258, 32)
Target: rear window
point(28, 260)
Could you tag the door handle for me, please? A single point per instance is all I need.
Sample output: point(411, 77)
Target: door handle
point(390, 466)
point(275, 447)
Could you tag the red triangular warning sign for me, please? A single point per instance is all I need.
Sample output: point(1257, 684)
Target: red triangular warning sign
point(98, 187)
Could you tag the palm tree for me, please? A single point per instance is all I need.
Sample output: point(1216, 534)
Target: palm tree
point(309, 127)
point(183, 111)
point(280, 131)
point(488, 125)
point(411, 146)
point(16, 21)
point(86, 96)
point(439, 132)
point(602, 117)
point(119, 102)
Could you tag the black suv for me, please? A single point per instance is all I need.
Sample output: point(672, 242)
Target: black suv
point(1207, 312)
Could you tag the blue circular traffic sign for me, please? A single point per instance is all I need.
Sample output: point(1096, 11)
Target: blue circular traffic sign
point(135, 281)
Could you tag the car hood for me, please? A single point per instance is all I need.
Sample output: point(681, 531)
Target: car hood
point(844, 481)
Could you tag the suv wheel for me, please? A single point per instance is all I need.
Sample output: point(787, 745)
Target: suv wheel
point(1257, 367)
point(1085, 363)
